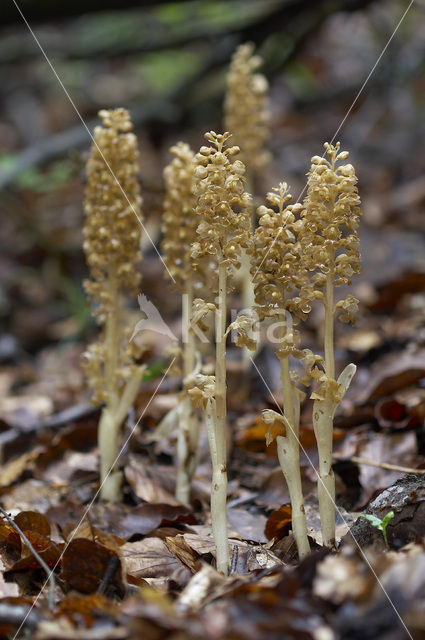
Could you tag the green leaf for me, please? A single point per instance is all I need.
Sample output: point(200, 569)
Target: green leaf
point(379, 524)
point(374, 521)
point(385, 521)
point(154, 370)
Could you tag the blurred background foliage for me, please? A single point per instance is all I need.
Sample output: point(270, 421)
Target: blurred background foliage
point(166, 62)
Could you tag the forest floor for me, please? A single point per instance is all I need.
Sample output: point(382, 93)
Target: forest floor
point(144, 568)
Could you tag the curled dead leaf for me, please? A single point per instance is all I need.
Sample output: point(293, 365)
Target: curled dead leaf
point(279, 523)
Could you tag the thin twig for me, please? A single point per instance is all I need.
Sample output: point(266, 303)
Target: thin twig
point(111, 569)
point(380, 465)
point(234, 562)
point(50, 574)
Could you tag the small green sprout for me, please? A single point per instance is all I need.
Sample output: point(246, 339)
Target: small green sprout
point(379, 524)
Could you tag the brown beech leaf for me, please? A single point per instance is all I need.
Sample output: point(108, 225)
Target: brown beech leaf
point(247, 557)
point(8, 536)
point(145, 518)
point(254, 438)
point(270, 608)
point(12, 470)
point(148, 558)
point(84, 565)
point(202, 544)
point(399, 448)
point(66, 512)
point(148, 482)
point(73, 466)
point(82, 530)
point(89, 532)
point(154, 616)
point(32, 495)
point(48, 551)
point(178, 546)
point(203, 587)
point(391, 373)
point(279, 522)
point(250, 526)
point(273, 491)
point(33, 521)
point(76, 437)
point(390, 293)
point(86, 608)
point(108, 540)
point(169, 532)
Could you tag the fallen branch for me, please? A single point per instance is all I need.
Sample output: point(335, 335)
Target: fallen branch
point(379, 465)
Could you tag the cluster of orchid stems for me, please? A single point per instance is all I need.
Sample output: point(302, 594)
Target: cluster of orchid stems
point(246, 115)
point(297, 254)
point(301, 253)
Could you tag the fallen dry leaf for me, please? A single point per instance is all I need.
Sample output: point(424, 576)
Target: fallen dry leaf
point(389, 374)
point(33, 521)
point(254, 438)
point(86, 609)
point(148, 558)
point(279, 522)
point(85, 564)
point(46, 549)
point(250, 526)
point(145, 518)
point(147, 483)
point(12, 470)
point(178, 546)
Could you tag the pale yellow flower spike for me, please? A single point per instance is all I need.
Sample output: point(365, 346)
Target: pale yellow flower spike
point(276, 267)
point(112, 210)
point(223, 231)
point(331, 254)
